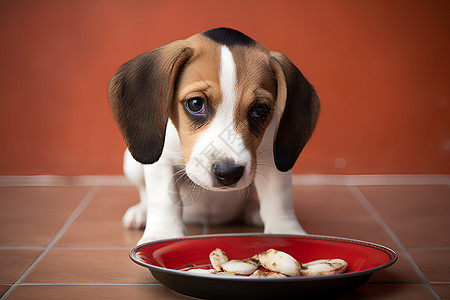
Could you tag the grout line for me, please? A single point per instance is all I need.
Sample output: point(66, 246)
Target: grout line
point(90, 284)
point(28, 248)
point(75, 214)
point(297, 179)
point(429, 248)
point(57, 180)
point(90, 248)
point(20, 248)
point(371, 180)
point(373, 212)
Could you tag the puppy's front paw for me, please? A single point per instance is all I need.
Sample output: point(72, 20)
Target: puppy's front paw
point(285, 228)
point(135, 217)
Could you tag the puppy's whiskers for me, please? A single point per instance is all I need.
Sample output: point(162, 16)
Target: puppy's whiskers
point(262, 175)
point(259, 153)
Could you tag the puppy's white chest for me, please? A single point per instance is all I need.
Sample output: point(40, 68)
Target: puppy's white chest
point(201, 206)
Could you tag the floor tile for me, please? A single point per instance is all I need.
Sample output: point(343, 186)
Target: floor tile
point(420, 233)
point(31, 216)
point(443, 290)
point(418, 215)
point(39, 202)
point(327, 203)
point(106, 234)
point(409, 202)
point(368, 231)
point(88, 267)
point(14, 262)
point(434, 263)
point(194, 229)
point(233, 228)
point(397, 291)
point(367, 291)
point(33, 232)
point(401, 271)
point(99, 234)
point(112, 292)
point(91, 259)
point(110, 203)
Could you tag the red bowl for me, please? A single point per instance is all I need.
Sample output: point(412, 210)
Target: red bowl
point(166, 260)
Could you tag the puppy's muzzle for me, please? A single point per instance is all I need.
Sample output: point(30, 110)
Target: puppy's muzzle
point(227, 172)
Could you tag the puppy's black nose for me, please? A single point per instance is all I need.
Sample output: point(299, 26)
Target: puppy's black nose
point(227, 172)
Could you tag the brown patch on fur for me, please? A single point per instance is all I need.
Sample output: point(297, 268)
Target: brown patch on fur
point(199, 77)
point(140, 94)
point(152, 87)
point(256, 83)
point(301, 108)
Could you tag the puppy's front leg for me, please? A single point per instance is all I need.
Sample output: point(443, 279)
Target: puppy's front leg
point(274, 190)
point(164, 213)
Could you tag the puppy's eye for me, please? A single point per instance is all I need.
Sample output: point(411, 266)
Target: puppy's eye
point(260, 112)
point(195, 106)
point(257, 117)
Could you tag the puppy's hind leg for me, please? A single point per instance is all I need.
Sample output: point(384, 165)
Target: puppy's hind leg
point(135, 216)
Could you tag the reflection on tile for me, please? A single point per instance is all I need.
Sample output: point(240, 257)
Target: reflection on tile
point(327, 204)
point(417, 233)
point(233, 228)
point(418, 215)
point(106, 234)
point(95, 292)
point(31, 216)
point(91, 259)
point(3, 289)
point(443, 290)
point(88, 266)
point(378, 291)
point(409, 202)
point(368, 231)
point(434, 263)
point(194, 229)
point(99, 234)
point(401, 271)
point(31, 232)
point(14, 262)
point(110, 203)
point(39, 202)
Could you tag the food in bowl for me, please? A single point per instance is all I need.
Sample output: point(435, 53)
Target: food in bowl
point(277, 264)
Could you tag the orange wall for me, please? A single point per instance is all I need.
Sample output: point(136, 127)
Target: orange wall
point(381, 69)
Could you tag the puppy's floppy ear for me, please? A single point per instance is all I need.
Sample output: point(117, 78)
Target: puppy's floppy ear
point(140, 95)
point(297, 111)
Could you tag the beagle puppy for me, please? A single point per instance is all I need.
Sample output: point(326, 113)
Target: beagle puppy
point(209, 121)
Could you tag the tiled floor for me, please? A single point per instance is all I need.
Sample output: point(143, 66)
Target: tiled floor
point(68, 243)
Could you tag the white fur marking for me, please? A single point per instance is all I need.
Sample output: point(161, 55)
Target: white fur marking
point(221, 140)
point(227, 79)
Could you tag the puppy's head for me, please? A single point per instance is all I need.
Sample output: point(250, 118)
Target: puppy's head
point(221, 89)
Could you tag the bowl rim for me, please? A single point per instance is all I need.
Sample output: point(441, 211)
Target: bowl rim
point(388, 251)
